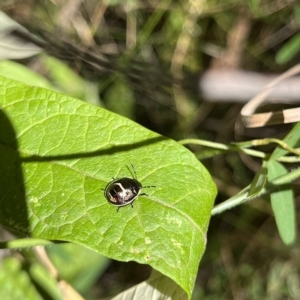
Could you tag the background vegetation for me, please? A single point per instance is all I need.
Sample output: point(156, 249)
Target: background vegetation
point(150, 56)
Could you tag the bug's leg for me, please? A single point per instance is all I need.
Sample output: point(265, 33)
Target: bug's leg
point(118, 208)
point(131, 205)
point(144, 194)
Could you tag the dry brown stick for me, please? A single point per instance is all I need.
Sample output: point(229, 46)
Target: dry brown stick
point(67, 291)
point(240, 86)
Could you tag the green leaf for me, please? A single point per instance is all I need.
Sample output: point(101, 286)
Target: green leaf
point(58, 153)
point(292, 139)
point(255, 6)
point(290, 49)
point(46, 283)
point(16, 71)
point(282, 201)
point(64, 77)
point(297, 14)
point(120, 90)
point(259, 181)
point(79, 266)
point(15, 283)
point(157, 287)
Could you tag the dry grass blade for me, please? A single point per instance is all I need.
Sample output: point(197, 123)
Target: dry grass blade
point(270, 118)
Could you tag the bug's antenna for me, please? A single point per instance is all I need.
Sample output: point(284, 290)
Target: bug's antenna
point(133, 172)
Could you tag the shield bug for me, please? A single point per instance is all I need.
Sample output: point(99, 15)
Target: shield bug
point(123, 191)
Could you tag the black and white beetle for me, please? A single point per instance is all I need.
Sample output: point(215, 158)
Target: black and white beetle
point(123, 191)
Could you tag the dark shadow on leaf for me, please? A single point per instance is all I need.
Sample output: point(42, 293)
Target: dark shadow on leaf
point(13, 205)
point(107, 151)
point(13, 209)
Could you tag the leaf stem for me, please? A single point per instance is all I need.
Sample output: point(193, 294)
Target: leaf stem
point(260, 142)
point(241, 147)
point(24, 243)
point(243, 195)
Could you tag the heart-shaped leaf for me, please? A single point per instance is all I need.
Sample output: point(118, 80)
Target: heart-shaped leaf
point(59, 153)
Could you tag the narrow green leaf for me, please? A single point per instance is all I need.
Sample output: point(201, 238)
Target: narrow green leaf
point(297, 13)
point(58, 153)
point(120, 90)
point(282, 200)
point(41, 277)
point(16, 71)
point(259, 181)
point(15, 283)
point(292, 139)
point(290, 49)
point(64, 77)
point(255, 6)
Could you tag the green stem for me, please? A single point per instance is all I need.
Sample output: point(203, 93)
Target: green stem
point(239, 148)
point(267, 141)
point(243, 196)
point(24, 243)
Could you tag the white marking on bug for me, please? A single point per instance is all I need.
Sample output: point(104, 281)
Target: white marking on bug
point(123, 193)
point(148, 240)
point(178, 245)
